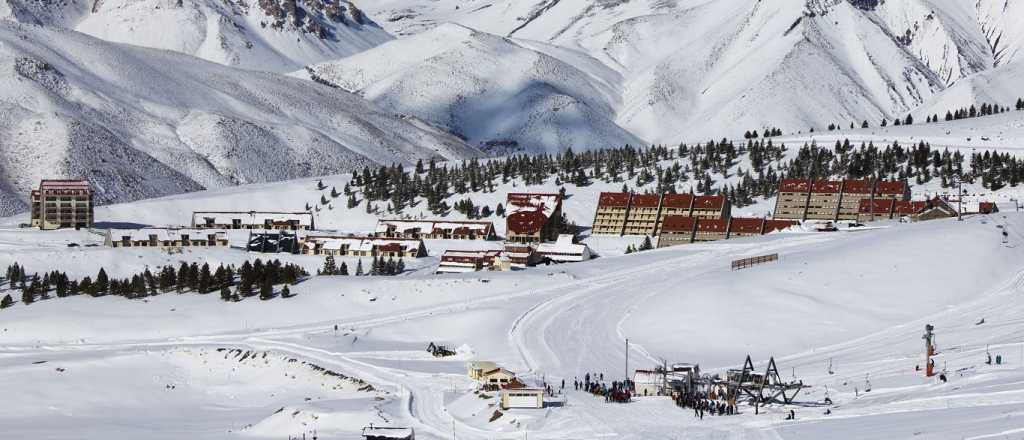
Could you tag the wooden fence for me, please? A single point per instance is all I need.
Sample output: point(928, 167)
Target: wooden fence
point(754, 261)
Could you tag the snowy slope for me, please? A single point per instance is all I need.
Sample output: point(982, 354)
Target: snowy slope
point(858, 299)
point(142, 123)
point(489, 89)
point(265, 35)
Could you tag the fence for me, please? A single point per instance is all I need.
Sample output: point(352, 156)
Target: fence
point(754, 261)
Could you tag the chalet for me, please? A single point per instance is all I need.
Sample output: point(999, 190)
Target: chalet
point(165, 238)
point(292, 221)
point(711, 230)
point(643, 214)
point(388, 433)
point(453, 261)
point(436, 229)
point(363, 246)
point(497, 377)
point(933, 209)
point(522, 398)
point(875, 209)
point(610, 217)
point(476, 369)
point(520, 256)
point(564, 250)
point(62, 204)
point(533, 218)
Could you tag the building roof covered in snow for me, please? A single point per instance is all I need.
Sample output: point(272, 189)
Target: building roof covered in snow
point(165, 234)
point(381, 432)
point(677, 201)
point(645, 201)
point(709, 202)
point(252, 217)
point(772, 225)
point(546, 203)
point(563, 246)
point(857, 186)
point(826, 186)
point(795, 185)
point(435, 227)
point(362, 244)
point(891, 187)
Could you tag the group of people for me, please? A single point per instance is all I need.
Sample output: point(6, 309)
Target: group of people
point(701, 403)
point(594, 384)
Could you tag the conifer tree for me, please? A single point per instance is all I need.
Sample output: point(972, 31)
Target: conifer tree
point(343, 270)
point(286, 292)
point(359, 267)
point(205, 281)
point(6, 302)
point(330, 268)
point(266, 290)
point(102, 284)
point(225, 293)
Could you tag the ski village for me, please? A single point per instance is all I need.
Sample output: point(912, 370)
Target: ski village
point(511, 219)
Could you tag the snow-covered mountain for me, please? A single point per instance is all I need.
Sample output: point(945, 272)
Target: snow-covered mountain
point(142, 123)
point(500, 95)
point(693, 69)
point(266, 35)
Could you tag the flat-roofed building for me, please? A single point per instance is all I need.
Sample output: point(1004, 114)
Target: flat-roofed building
point(711, 207)
point(610, 217)
point(643, 214)
point(533, 217)
point(165, 238)
point(516, 397)
point(853, 192)
point(288, 221)
point(436, 229)
point(62, 204)
point(823, 204)
point(791, 201)
point(520, 256)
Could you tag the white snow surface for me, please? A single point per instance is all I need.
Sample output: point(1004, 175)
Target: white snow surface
point(856, 299)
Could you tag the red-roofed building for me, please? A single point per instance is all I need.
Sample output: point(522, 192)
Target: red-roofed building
point(937, 209)
point(62, 204)
point(746, 227)
point(676, 230)
point(711, 229)
point(711, 207)
point(800, 199)
point(674, 204)
point(791, 201)
point(532, 217)
point(773, 225)
point(853, 192)
point(610, 217)
point(643, 214)
point(987, 208)
point(877, 209)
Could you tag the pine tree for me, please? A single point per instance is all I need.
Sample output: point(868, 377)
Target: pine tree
point(181, 283)
point(6, 302)
point(205, 279)
point(864, 124)
point(499, 210)
point(400, 267)
point(102, 284)
point(286, 292)
point(330, 268)
point(359, 267)
point(343, 270)
point(646, 245)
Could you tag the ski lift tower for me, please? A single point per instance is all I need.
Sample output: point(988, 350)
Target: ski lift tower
point(929, 347)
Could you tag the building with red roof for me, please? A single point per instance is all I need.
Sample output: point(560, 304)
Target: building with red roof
point(711, 229)
point(676, 230)
point(533, 217)
point(876, 209)
point(746, 227)
point(610, 217)
point(62, 204)
point(643, 214)
point(833, 200)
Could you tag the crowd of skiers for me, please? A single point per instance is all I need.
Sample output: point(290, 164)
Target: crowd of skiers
point(703, 403)
point(618, 392)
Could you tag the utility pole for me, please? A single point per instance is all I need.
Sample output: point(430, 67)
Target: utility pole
point(627, 363)
point(929, 347)
point(960, 200)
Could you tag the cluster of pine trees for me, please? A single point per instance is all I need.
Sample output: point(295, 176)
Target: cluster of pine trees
point(768, 132)
point(973, 111)
point(248, 280)
point(379, 267)
point(645, 246)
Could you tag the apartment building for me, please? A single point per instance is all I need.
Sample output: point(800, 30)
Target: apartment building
point(532, 218)
point(806, 199)
point(62, 204)
point(677, 229)
point(645, 214)
point(610, 217)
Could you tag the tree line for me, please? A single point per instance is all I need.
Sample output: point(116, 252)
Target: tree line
point(379, 267)
point(234, 284)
